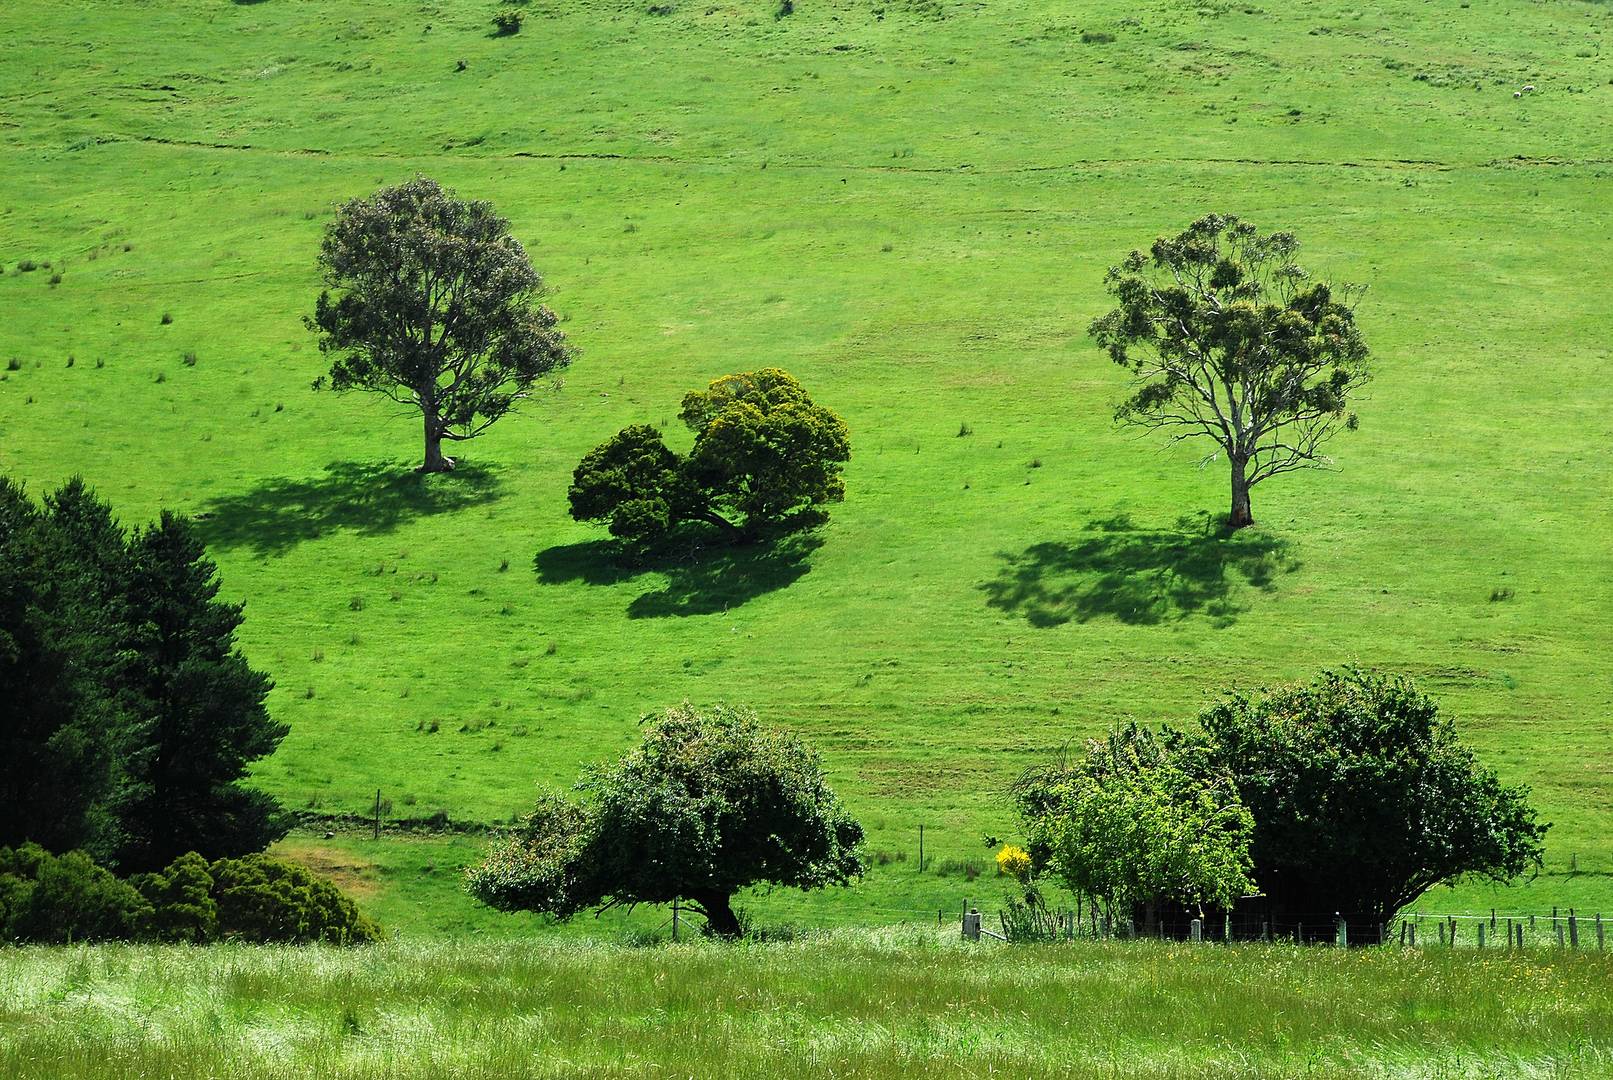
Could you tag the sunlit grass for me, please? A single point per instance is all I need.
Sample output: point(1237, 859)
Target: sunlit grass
point(900, 1002)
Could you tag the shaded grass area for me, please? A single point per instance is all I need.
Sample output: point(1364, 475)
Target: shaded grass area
point(902, 1002)
point(701, 578)
point(1140, 576)
point(365, 498)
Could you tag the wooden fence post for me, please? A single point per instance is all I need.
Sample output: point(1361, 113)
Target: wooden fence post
point(1414, 935)
point(1195, 931)
point(1601, 943)
point(1226, 928)
point(1341, 930)
point(1481, 933)
point(1573, 929)
point(675, 918)
point(1442, 933)
point(1509, 933)
point(1559, 933)
point(971, 926)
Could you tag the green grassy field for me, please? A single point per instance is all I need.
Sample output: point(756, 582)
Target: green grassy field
point(909, 205)
point(856, 1004)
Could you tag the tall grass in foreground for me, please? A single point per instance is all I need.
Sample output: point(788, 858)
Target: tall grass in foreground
point(900, 1002)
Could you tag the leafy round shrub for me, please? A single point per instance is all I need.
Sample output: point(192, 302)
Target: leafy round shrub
point(51, 899)
point(264, 899)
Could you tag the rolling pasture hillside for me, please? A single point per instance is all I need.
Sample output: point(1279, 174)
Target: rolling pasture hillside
point(909, 204)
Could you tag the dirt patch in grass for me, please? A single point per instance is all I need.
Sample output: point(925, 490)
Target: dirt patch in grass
point(358, 877)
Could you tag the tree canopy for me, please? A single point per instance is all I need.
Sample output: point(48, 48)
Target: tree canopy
point(431, 302)
point(710, 803)
point(1364, 797)
point(1137, 823)
point(1227, 338)
point(764, 455)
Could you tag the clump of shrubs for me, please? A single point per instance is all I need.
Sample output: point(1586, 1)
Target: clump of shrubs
point(50, 899)
point(507, 22)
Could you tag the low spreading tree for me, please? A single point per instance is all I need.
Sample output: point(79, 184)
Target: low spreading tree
point(764, 455)
point(712, 802)
point(1364, 797)
point(1138, 823)
point(1228, 339)
point(431, 302)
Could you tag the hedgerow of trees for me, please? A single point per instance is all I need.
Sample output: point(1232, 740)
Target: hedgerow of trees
point(130, 717)
point(431, 302)
point(1228, 339)
point(1348, 794)
point(712, 802)
point(764, 456)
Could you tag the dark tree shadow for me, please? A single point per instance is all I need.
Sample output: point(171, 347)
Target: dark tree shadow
point(368, 498)
point(1139, 576)
point(703, 573)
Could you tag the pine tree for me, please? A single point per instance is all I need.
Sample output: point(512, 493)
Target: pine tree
point(56, 728)
point(194, 711)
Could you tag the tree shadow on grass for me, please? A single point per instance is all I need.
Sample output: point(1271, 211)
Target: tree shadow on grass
point(1140, 576)
point(365, 497)
point(703, 574)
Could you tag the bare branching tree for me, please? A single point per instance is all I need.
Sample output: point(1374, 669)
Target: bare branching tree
point(1227, 338)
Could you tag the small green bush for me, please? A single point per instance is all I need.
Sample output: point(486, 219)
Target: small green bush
point(508, 22)
point(51, 899)
point(182, 899)
point(264, 899)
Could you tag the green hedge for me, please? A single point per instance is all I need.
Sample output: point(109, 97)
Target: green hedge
point(48, 898)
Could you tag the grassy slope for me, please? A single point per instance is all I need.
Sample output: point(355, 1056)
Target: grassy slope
point(912, 214)
point(854, 1005)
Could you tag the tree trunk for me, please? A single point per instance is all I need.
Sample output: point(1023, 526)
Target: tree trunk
point(1241, 514)
point(719, 913)
point(435, 461)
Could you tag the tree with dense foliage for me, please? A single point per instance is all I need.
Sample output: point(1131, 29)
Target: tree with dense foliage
point(195, 711)
point(1363, 797)
point(130, 715)
point(764, 455)
point(61, 570)
point(434, 307)
point(1228, 338)
point(1139, 823)
point(711, 803)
